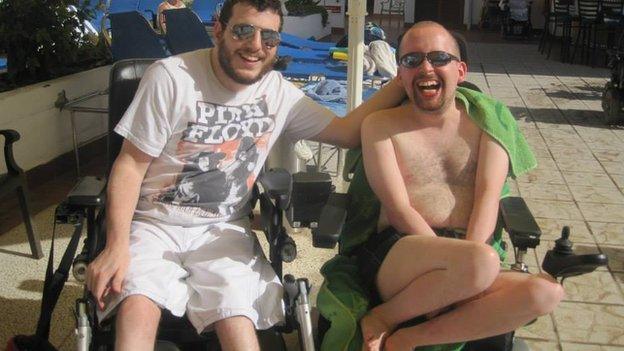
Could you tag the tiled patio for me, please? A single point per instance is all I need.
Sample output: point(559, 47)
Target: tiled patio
point(578, 182)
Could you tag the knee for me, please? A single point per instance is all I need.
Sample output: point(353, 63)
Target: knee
point(482, 266)
point(543, 295)
point(139, 305)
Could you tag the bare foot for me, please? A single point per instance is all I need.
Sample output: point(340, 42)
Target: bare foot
point(374, 332)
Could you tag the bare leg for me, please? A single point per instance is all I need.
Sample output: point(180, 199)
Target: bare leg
point(137, 323)
point(237, 334)
point(512, 301)
point(422, 274)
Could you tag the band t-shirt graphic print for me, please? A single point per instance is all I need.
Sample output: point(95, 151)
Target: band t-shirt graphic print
point(209, 143)
point(221, 151)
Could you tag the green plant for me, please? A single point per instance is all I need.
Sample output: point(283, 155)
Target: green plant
point(307, 7)
point(44, 39)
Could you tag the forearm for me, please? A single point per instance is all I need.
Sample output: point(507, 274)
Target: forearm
point(407, 220)
point(122, 196)
point(482, 220)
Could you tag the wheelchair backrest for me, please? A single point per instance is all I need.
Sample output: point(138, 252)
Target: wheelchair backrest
point(125, 76)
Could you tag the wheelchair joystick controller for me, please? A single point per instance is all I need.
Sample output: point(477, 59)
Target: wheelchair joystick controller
point(563, 245)
point(562, 262)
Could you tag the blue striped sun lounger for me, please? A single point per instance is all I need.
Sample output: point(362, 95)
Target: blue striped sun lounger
point(299, 55)
point(206, 10)
point(303, 70)
point(296, 42)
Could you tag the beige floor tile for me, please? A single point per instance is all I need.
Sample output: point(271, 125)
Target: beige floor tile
point(604, 195)
point(619, 279)
point(540, 345)
point(546, 164)
point(580, 154)
point(607, 233)
point(609, 155)
point(618, 179)
point(613, 167)
point(602, 212)
point(593, 323)
point(551, 229)
point(588, 179)
point(615, 254)
point(586, 347)
point(594, 287)
point(554, 209)
point(543, 328)
point(576, 165)
point(542, 176)
point(540, 191)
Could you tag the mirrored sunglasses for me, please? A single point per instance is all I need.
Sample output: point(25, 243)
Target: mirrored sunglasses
point(435, 58)
point(244, 31)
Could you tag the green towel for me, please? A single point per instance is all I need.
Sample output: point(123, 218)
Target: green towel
point(341, 299)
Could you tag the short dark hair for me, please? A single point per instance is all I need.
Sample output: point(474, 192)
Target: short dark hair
point(260, 5)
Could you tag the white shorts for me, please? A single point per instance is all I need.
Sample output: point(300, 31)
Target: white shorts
point(209, 272)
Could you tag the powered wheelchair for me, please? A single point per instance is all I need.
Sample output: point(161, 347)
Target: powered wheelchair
point(305, 199)
point(85, 203)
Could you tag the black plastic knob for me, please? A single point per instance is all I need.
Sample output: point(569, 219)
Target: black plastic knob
point(563, 245)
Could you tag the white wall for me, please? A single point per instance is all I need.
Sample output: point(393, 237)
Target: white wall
point(46, 131)
point(336, 20)
point(305, 27)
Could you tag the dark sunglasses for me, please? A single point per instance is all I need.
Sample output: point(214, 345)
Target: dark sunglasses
point(435, 58)
point(244, 31)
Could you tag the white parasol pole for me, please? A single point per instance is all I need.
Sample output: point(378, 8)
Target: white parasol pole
point(355, 71)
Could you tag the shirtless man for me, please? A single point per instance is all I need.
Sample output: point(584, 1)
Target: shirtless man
point(433, 168)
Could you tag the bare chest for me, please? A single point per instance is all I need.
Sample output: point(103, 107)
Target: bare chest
point(439, 171)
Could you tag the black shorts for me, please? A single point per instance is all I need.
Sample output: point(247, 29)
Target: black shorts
point(371, 254)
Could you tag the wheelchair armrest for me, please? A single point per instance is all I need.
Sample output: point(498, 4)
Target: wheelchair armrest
point(89, 191)
point(10, 136)
point(332, 218)
point(277, 184)
point(519, 223)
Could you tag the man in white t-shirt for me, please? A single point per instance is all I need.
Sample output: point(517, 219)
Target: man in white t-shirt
point(196, 135)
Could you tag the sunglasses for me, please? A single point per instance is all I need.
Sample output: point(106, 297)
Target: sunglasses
point(243, 31)
point(435, 58)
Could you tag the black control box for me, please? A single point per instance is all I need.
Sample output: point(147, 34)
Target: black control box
point(310, 192)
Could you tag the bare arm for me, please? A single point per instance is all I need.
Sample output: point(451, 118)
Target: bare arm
point(384, 176)
point(345, 132)
point(108, 270)
point(492, 170)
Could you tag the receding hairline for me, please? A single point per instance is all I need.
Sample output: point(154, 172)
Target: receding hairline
point(425, 24)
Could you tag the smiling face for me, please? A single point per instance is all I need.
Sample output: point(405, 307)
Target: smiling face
point(430, 88)
point(242, 62)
